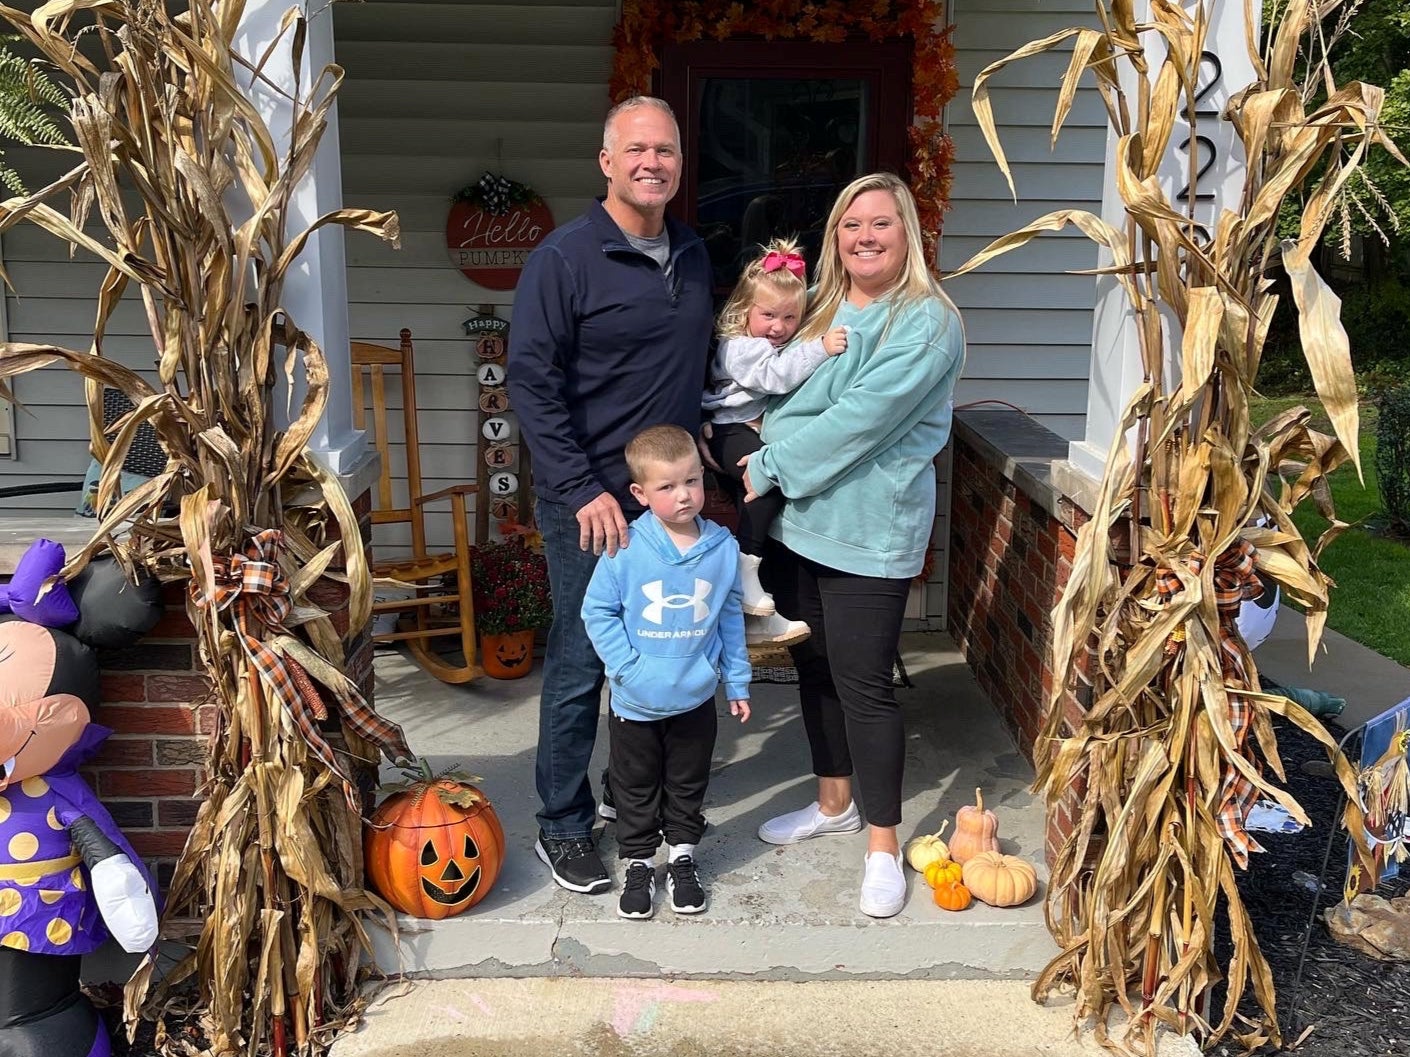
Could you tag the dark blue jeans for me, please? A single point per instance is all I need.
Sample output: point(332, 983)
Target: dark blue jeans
point(572, 682)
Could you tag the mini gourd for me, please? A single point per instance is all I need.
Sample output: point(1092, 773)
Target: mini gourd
point(928, 848)
point(937, 873)
point(952, 895)
point(1000, 880)
point(976, 830)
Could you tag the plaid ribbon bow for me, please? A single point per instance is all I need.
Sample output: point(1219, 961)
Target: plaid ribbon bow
point(255, 585)
point(1235, 582)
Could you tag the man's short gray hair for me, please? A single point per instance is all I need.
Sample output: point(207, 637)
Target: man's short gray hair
point(634, 103)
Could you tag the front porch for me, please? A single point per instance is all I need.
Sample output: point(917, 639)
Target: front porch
point(775, 913)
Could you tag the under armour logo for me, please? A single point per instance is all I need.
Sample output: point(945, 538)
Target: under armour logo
point(661, 602)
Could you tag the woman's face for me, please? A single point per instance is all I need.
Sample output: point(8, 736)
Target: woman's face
point(872, 242)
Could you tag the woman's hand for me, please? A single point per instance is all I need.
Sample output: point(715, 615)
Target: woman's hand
point(740, 707)
point(749, 492)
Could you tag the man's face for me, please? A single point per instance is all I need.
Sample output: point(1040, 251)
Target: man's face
point(643, 166)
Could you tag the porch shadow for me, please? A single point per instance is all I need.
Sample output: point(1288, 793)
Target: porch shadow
point(785, 913)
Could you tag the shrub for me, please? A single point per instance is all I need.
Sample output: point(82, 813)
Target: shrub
point(1393, 456)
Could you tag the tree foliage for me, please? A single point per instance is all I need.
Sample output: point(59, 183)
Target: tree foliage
point(27, 101)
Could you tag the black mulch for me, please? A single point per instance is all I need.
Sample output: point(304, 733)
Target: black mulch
point(1356, 1006)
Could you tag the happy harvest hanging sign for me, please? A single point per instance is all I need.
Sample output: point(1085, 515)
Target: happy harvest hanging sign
point(493, 224)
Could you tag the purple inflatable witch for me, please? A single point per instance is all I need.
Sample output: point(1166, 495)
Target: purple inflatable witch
point(68, 877)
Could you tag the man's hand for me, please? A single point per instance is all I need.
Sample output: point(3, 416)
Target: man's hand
point(702, 444)
point(740, 708)
point(835, 341)
point(601, 526)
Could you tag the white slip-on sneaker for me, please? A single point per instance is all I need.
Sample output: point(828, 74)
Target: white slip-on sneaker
point(757, 602)
point(883, 885)
point(809, 822)
point(774, 631)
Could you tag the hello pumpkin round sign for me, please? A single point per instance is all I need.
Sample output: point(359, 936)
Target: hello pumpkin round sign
point(493, 226)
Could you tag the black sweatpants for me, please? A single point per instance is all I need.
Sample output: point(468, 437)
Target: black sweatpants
point(728, 444)
point(659, 771)
point(845, 685)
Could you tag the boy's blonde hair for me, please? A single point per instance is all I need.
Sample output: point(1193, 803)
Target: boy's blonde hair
point(733, 321)
point(916, 280)
point(657, 444)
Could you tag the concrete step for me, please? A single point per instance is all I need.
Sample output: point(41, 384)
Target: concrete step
point(656, 1018)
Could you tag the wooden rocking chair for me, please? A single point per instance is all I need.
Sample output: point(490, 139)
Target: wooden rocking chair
point(443, 604)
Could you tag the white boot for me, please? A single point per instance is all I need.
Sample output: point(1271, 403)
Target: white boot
point(774, 631)
point(757, 601)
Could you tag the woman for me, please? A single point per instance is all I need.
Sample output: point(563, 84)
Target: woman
point(851, 449)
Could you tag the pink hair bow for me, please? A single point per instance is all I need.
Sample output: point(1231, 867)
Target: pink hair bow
point(773, 261)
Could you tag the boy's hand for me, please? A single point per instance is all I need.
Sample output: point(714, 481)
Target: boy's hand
point(740, 707)
point(835, 341)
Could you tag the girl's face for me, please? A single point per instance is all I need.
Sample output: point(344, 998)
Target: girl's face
point(872, 242)
point(774, 315)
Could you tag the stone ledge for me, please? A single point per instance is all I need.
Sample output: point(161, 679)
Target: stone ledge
point(1030, 455)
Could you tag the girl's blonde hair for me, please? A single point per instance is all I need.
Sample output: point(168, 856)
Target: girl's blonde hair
point(733, 320)
point(916, 280)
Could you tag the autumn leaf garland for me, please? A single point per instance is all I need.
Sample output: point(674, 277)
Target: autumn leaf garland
point(646, 25)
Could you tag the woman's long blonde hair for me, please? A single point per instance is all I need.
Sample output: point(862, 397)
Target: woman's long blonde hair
point(733, 321)
point(916, 280)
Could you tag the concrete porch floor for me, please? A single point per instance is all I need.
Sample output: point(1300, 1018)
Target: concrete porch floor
point(775, 913)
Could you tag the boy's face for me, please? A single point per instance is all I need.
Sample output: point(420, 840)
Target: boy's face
point(673, 491)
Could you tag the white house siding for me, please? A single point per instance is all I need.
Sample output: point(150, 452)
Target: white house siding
point(1029, 325)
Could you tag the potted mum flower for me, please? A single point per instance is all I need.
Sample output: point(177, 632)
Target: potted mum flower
point(512, 601)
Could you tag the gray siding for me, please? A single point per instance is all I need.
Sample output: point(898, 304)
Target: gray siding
point(1029, 325)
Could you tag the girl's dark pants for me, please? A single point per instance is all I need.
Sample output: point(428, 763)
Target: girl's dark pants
point(728, 444)
point(659, 771)
point(845, 673)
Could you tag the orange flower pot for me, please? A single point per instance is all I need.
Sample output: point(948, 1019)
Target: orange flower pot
point(507, 656)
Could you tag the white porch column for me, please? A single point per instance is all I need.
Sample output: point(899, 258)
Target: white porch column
point(1116, 370)
point(316, 288)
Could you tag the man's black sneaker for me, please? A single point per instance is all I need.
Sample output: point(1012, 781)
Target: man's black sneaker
point(637, 892)
point(608, 808)
point(683, 884)
point(574, 862)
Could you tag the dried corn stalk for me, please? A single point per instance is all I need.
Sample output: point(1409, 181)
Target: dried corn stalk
point(193, 193)
point(1172, 750)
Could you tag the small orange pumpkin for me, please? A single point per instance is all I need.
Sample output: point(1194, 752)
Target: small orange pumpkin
point(976, 830)
point(435, 848)
point(509, 655)
point(952, 895)
point(937, 873)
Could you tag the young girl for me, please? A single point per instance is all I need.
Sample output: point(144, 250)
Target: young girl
point(754, 361)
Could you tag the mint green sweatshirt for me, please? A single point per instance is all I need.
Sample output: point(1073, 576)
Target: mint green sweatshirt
point(852, 447)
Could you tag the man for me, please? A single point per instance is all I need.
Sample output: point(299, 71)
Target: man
point(612, 322)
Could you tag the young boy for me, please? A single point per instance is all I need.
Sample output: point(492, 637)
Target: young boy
point(665, 615)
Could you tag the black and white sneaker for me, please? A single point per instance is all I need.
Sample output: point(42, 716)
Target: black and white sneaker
point(574, 863)
point(683, 884)
point(608, 808)
point(638, 892)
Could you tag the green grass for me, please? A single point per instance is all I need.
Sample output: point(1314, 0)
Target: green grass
point(1371, 602)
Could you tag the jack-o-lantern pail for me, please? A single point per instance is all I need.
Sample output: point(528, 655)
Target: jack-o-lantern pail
point(507, 656)
point(434, 849)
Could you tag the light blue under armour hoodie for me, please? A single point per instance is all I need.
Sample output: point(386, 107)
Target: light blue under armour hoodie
point(668, 626)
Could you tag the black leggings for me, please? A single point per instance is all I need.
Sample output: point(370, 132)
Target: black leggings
point(728, 444)
point(845, 673)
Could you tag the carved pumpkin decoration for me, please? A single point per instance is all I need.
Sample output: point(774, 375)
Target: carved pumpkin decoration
point(434, 849)
point(507, 656)
point(976, 830)
point(1000, 880)
point(952, 895)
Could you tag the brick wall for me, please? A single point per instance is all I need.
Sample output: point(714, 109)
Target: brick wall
point(1012, 542)
point(160, 708)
